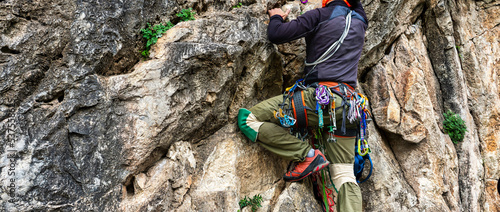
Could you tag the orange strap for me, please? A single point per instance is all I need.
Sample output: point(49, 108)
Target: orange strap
point(333, 84)
point(349, 5)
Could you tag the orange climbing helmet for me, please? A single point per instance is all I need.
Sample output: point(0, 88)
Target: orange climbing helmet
point(326, 1)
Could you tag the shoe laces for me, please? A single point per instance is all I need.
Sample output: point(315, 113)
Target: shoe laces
point(291, 167)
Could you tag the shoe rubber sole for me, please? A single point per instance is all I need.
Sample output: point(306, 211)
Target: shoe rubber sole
point(316, 169)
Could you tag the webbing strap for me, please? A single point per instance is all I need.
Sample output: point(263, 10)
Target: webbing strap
point(299, 109)
point(348, 133)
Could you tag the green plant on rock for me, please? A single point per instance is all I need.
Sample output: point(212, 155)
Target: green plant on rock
point(186, 14)
point(454, 126)
point(458, 50)
point(238, 5)
point(254, 202)
point(152, 33)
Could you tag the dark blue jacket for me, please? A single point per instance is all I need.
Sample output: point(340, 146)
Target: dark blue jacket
point(321, 27)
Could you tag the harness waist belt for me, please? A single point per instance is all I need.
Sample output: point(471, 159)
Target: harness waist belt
point(336, 86)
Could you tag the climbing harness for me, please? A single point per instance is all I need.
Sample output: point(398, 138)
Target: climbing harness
point(299, 109)
point(354, 109)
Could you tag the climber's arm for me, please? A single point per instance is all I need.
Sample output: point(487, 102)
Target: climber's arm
point(280, 32)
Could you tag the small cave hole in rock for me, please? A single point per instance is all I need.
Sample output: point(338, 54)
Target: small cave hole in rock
point(244, 71)
point(6, 49)
point(61, 97)
point(130, 187)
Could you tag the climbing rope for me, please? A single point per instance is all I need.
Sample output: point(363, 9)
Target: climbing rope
point(322, 95)
point(336, 45)
point(322, 180)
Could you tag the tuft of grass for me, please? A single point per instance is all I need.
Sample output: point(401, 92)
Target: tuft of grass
point(186, 14)
point(459, 53)
point(454, 126)
point(152, 33)
point(254, 202)
point(238, 5)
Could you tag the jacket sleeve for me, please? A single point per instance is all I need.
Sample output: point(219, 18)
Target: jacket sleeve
point(279, 32)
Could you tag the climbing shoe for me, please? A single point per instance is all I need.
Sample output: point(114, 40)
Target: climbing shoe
point(307, 167)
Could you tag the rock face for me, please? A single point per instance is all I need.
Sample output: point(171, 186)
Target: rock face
point(86, 124)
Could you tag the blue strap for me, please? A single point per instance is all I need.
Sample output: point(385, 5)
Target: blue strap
point(342, 11)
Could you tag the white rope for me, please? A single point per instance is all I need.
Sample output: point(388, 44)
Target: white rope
point(335, 46)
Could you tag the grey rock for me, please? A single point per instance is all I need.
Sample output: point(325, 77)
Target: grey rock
point(86, 124)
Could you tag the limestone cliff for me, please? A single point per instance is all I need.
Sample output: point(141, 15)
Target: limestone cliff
point(87, 125)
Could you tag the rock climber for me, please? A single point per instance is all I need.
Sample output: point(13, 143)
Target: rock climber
point(321, 27)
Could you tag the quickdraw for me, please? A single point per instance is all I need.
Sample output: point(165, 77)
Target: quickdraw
point(294, 106)
point(322, 99)
point(333, 121)
point(285, 120)
point(359, 111)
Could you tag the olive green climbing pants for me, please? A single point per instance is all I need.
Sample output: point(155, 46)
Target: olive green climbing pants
point(260, 126)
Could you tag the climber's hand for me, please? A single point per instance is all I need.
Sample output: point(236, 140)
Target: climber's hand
point(278, 11)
